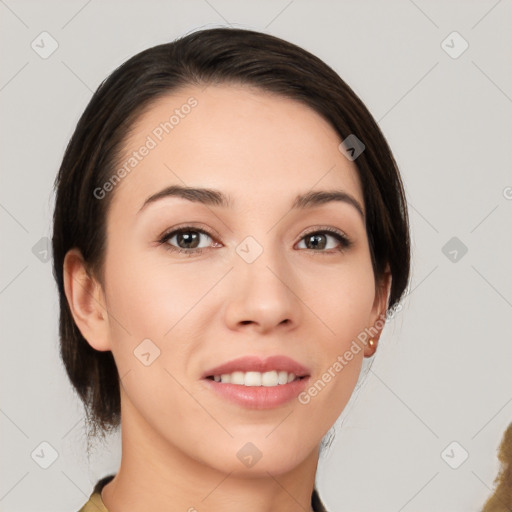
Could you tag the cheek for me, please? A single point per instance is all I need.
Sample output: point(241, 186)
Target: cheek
point(344, 307)
point(152, 299)
point(148, 304)
point(150, 295)
point(343, 298)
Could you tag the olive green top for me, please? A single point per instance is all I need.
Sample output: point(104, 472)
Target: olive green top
point(95, 503)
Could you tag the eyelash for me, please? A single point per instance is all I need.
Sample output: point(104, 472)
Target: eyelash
point(345, 242)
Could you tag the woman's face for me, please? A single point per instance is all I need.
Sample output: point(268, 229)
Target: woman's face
point(263, 285)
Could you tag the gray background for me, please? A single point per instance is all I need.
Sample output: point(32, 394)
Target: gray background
point(442, 372)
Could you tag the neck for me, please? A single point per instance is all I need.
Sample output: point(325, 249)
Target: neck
point(156, 475)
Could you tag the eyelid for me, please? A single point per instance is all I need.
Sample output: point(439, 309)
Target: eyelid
point(189, 226)
point(329, 229)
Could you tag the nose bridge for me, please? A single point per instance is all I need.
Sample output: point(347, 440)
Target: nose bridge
point(263, 291)
point(261, 262)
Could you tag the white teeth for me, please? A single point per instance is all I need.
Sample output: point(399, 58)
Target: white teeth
point(237, 378)
point(268, 379)
point(282, 377)
point(251, 379)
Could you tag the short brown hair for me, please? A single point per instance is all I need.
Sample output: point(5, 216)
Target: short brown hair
point(211, 56)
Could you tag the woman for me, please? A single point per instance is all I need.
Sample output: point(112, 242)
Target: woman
point(230, 231)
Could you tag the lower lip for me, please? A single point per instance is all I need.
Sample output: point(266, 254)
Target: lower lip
point(259, 397)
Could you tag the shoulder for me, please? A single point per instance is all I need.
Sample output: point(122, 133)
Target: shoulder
point(316, 502)
point(95, 503)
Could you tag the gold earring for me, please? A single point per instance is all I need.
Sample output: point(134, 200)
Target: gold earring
point(371, 343)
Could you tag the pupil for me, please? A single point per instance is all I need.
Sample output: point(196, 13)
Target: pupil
point(190, 238)
point(316, 243)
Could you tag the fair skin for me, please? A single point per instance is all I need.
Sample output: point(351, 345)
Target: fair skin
point(179, 439)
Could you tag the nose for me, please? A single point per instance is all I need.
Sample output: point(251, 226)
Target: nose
point(261, 295)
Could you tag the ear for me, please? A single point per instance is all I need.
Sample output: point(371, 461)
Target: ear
point(86, 301)
point(378, 314)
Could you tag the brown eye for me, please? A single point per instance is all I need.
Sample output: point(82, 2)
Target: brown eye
point(318, 241)
point(186, 240)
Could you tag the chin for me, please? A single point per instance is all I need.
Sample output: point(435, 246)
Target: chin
point(256, 456)
point(275, 465)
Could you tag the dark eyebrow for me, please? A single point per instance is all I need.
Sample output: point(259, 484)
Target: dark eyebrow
point(320, 197)
point(213, 197)
point(205, 196)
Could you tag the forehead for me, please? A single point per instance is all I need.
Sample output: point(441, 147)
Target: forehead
point(256, 146)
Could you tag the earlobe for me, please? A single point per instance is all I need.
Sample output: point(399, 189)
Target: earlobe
point(86, 301)
point(378, 315)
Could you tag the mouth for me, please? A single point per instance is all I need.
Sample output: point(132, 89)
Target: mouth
point(255, 383)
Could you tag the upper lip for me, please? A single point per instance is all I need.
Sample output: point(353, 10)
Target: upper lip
point(257, 364)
